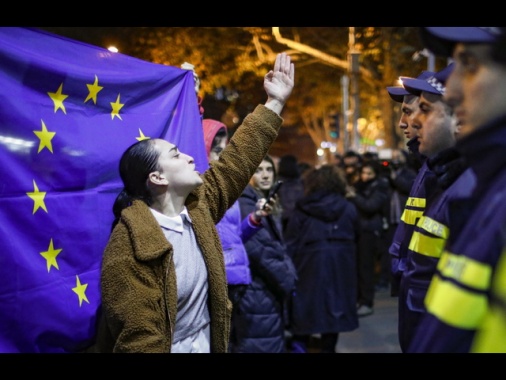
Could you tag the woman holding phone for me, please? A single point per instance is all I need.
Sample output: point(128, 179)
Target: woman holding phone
point(260, 321)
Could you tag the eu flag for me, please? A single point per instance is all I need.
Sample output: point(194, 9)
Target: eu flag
point(68, 110)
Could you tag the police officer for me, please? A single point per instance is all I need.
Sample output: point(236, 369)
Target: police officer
point(437, 134)
point(404, 227)
point(457, 301)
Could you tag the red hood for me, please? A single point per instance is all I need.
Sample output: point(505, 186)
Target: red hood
point(211, 128)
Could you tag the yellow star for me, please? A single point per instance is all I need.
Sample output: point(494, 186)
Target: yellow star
point(50, 256)
point(38, 198)
point(80, 290)
point(115, 109)
point(94, 90)
point(142, 137)
point(45, 138)
point(58, 98)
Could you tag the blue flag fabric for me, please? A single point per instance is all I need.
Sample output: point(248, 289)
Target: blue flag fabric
point(68, 110)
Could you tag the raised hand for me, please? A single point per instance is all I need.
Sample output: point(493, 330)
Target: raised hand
point(279, 82)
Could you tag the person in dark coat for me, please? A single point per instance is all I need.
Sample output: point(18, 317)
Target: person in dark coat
point(369, 195)
point(292, 189)
point(321, 239)
point(260, 318)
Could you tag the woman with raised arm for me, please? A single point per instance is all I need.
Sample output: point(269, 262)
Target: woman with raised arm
point(163, 281)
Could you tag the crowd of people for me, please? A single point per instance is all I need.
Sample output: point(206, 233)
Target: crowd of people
point(204, 262)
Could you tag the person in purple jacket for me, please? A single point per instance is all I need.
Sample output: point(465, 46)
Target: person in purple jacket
point(233, 230)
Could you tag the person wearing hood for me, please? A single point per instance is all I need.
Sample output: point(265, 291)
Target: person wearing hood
point(233, 230)
point(321, 239)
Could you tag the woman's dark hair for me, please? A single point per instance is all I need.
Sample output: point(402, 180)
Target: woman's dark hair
point(330, 178)
point(277, 208)
point(352, 153)
point(135, 164)
point(374, 165)
point(274, 168)
point(275, 176)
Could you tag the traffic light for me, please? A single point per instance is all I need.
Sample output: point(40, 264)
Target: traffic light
point(334, 125)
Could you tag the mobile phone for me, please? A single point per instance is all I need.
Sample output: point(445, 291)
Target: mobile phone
point(273, 192)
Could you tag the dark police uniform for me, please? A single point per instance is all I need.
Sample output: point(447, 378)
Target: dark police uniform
point(455, 180)
point(423, 187)
point(458, 296)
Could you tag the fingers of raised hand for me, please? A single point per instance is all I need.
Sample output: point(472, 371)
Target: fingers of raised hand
point(284, 65)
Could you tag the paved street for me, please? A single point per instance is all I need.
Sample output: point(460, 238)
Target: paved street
point(377, 333)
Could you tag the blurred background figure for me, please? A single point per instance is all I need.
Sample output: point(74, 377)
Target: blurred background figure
point(292, 189)
point(321, 239)
point(369, 195)
point(337, 160)
point(352, 162)
point(260, 315)
point(369, 156)
point(303, 168)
